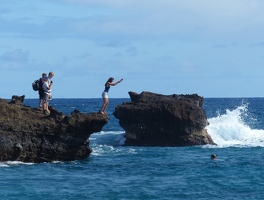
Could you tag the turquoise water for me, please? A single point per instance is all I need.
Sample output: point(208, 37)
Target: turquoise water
point(114, 171)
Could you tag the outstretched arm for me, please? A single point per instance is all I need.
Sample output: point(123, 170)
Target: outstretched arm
point(113, 84)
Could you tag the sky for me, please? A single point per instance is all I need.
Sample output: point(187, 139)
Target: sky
point(210, 48)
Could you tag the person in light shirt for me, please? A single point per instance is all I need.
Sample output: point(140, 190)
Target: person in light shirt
point(46, 95)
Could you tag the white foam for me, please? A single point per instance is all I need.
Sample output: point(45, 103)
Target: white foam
point(13, 163)
point(104, 142)
point(109, 142)
point(112, 138)
point(231, 130)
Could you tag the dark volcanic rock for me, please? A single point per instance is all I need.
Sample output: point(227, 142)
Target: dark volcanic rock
point(27, 135)
point(163, 120)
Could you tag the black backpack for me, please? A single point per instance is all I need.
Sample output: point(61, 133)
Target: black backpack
point(36, 85)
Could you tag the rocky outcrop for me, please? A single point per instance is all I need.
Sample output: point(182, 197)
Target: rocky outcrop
point(27, 135)
point(163, 120)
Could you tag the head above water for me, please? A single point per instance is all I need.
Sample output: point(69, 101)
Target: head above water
point(213, 156)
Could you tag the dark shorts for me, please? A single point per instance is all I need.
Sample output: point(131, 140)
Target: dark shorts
point(41, 94)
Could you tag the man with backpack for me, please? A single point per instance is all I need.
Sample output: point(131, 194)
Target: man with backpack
point(40, 90)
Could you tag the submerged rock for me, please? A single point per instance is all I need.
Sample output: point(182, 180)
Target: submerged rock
point(152, 119)
point(27, 135)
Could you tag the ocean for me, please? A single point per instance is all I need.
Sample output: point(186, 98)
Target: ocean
point(114, 171)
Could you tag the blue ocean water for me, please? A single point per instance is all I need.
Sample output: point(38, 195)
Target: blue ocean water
point(114, 171)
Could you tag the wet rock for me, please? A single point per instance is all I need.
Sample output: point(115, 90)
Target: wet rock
point(152, 119)
point(27, 135)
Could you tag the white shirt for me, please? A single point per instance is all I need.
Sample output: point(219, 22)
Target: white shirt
point(45, 87)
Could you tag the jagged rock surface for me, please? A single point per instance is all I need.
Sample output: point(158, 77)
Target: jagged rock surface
point(27, 135)
point(163, 120)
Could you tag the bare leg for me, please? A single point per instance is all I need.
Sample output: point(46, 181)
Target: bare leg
point(45, 106)
point(105, 104)
point(48, 106)
point(40, 102)
point(45, 103)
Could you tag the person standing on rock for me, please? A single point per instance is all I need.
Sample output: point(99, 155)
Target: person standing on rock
point(40, 90)
point(108, 83)
point(50, 82)
point(51, 74)
point(47, 95)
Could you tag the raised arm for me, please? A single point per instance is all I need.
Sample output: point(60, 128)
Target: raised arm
point(114, 83)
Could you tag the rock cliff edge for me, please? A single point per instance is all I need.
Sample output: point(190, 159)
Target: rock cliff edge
point(27, 135)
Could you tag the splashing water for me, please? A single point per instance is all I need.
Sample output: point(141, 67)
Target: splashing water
point(105, 142)
point(231, 129)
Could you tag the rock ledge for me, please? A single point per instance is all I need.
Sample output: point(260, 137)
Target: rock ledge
point(27, 135)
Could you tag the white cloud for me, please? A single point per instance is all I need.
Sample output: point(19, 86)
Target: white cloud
point(190, 19)
point(173, 41)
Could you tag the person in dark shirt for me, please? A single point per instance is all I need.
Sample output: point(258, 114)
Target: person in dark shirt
point(41, 91)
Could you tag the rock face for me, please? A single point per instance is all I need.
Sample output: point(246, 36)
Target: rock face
point(27, 135)
point(163, 120)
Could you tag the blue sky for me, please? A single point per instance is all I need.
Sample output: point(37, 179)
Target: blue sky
point(212, 48)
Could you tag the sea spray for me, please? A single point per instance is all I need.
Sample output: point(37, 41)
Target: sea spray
point(111, 138)
point(232, 129)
